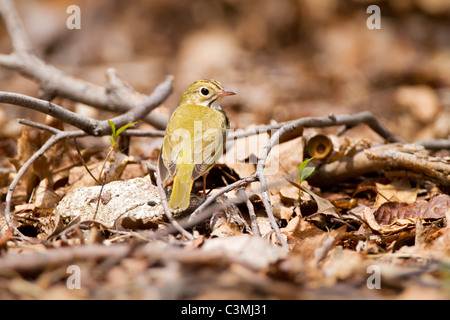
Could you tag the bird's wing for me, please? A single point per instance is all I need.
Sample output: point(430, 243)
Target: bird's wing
point(198, 130)
point(210, 148)
point(171, 148)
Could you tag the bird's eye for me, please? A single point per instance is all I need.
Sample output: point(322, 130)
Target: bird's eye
point(204, 91)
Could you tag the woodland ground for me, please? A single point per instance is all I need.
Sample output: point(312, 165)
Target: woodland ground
point(373, 223)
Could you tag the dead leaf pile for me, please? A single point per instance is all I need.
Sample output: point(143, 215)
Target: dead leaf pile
point(371, 222)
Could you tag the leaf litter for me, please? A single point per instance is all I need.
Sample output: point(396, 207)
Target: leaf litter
point(331, 247)
point(388, 208)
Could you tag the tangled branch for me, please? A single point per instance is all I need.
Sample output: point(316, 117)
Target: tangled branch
point(116, 96)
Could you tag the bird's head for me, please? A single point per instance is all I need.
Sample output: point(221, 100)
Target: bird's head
point(206, 93)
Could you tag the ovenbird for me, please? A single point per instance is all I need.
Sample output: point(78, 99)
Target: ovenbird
point(194, 138)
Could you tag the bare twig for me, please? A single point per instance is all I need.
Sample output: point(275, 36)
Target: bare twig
point(319, 122)
point(84, 123)
point(38, 261)
point(143, 133)
point(251, 211)
point(57, 136)
point(161, 92)
point(434, 143)
point(38, 126)
point(88, 125)
point(332, 120)
point(84, 162)
point(201, 214)
point(115, 97)
point(266, 201)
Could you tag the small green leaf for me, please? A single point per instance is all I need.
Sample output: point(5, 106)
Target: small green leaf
point(304, 172)
point(113, 128)
point(125, 127)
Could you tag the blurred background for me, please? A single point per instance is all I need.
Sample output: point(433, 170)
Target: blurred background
point(285, 59)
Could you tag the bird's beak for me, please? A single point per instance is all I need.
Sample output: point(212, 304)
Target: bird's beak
point(225, 92)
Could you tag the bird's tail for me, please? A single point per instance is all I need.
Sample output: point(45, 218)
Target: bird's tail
point(181, 193)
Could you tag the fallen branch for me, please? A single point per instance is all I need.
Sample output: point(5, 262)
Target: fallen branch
point(347, 121)
point(384, 157)
point(88, 125)
point(434, 143)
point(115, 96)
point(433, 170)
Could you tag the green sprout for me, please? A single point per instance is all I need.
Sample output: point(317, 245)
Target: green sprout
point(115, 134)
point(303, 171)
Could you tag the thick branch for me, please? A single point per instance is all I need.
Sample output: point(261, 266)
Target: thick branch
point(115, 97)
point(350, 120)
point(161, 92)
point(77, 120)
point(88, 125)
point(384, 157)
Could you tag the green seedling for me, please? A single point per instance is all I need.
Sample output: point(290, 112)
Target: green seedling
point(115, 134)
point(303, 171)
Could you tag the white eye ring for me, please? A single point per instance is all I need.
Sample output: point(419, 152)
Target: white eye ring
point(204, 91)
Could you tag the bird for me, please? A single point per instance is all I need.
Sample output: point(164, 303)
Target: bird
point(194, 139)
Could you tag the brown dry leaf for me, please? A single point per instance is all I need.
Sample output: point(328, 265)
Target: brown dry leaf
point(308, 247)
point(282, 208)
point(315, 249)
point(447, 216)
point(434, 209)
point(132, 223)
point(286, 212)
point(289, 195)
point(345, 145)
point(46, 198)
point(79, 177)
point(394, 227)
point(299, 229)
point(115, 166)
point(28, 143)
point(242, 155)
point(283, 158)
point(226, 229)
point(324, 206)
point(343, 264)
point(399, 190)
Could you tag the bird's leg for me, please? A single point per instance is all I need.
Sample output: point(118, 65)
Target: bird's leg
point(204, 184)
